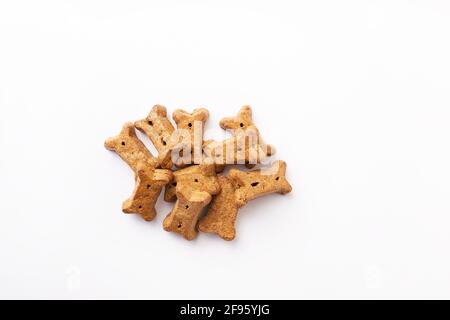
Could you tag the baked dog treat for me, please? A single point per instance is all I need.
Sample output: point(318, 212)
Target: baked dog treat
point(243, 121)
point(236, 191)
point(149, 182)
point(189, 135)
point(196, 185)
point(158, 128)
point(195, 178)
point(222, 212)
point(128, 146)
point(242, 148)
point(245, 147)
point(257, 183)
point(186, 212)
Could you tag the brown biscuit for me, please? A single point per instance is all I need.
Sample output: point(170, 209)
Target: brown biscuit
point(257, 183)
point(194, 178)
point(149, 183)
point(242, 148)
point(158, 128)
point(236, 190)
point(128, 146)
point(222, 213)
point(243, 121)
point(189, 135)
point(196, 186)
point(186, 212)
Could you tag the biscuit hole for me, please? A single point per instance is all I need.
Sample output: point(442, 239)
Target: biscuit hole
point(140, 207)
point(179, 226)
point(148, 186)
point(277, 178)
point(123, 143)
point(241, 125)
point(187, 207)
point(174, 184)
point(164, 143)
point(190, 125)
point(196, 180)
point(150, 123)
point(254, 184)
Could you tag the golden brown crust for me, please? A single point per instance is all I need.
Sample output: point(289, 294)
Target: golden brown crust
point(186, 212)
point(257, 183)
point(245, 147)
point(158, 128)
point(243, 121)
point(197, 185)
point(237, 189)
point(194, 178)
point(128, 146)
point(242, 148)
point(149, 183)
point(222, 213)
point(189, 135)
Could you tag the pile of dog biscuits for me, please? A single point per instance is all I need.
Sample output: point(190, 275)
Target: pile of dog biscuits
point(192, 170)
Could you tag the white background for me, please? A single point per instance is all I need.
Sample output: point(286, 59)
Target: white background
point(355, 95)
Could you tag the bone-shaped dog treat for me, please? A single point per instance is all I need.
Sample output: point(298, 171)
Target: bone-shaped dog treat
point(236, 190)
point(158, 128)
point(194, 178)
point(257, 183)
point(242, 121)
point(149, 183)
point(197, 185)
point(242, 148)
point(190, 128)
point(128, 146)
point(186, 212)
point(222, 213)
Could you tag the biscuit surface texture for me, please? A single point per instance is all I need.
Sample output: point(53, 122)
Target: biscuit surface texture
point(222, 213)
point(237, 189)
point(128, 146)
point(186, 212)
point(243, 148)
point(194, 178)
point(158, 128)
point(243, 121)
point(189, 136)
point(197, 186)
point(257, 183)
point(149, 183)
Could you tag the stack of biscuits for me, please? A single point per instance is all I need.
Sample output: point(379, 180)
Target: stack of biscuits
point(192, 170)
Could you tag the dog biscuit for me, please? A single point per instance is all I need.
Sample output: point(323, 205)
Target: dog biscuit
point(195, 178)
point(189, 135)
point(158, 128)
point(243, 121)
point(128, 146)
point(186, 212)
point(257, 183)
point(242, 148)
point(149, 183)
point(222, 213)
point(196, 184)
point(237, 190)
